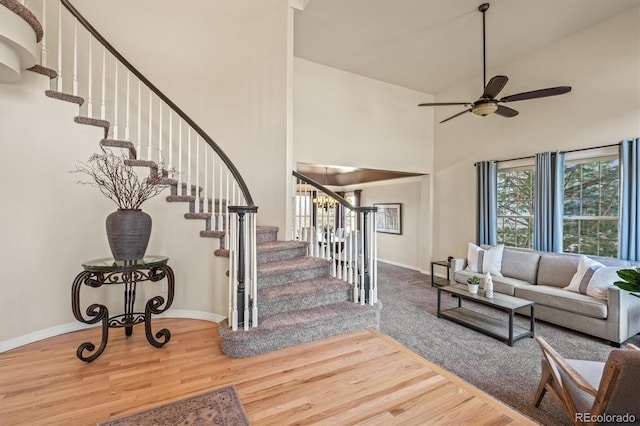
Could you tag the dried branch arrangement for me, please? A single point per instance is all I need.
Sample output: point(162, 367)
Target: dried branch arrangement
point(118, 181)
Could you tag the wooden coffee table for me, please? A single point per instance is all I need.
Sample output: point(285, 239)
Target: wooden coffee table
point(502, 330)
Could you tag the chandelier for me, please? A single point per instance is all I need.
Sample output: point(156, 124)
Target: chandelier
point(324, 201)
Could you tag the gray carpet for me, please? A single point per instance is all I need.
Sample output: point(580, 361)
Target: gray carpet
point(510, 374)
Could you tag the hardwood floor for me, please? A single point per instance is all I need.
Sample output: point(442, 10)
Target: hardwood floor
point(357, 378)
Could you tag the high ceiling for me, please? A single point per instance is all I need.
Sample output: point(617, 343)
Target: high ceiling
point(429, 45)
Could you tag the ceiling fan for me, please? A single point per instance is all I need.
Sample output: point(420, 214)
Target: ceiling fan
point(487, 103)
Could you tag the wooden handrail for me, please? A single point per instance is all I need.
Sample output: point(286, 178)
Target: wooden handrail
point(234, 171)
point(332, 194)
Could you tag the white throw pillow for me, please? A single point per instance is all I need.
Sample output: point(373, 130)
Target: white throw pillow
point(593, 278)
point(485, 260)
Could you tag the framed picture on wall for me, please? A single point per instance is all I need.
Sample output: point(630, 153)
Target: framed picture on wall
point(389, 218)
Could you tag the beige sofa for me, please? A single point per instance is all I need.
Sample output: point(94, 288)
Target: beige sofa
point(540, 277)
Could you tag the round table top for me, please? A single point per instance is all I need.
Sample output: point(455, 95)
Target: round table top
point(110, 264)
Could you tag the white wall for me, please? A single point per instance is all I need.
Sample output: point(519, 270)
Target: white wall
point(224, 64)
point(226, 70)
point(601, 63)
point(404, 249)
point(345, 119)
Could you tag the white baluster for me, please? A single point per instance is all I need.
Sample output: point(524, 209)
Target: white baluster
point(171, 140)
point(74, 87)
point(205, 202)
point(254, 269)
point(149, 150)
point(89, 80)
point(212, 210)
point(138, 146)
point(197, 202)
point(179, 187)
point(374, 259)
point(160, 159)
point(360, 258)
point(115, 99)
point(59, 81)
point(43, 43)
point(103, 105)
point(220, 211)
point(127, 107)
point(189, 161)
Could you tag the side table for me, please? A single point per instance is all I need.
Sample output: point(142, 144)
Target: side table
point(439, 281)
point(107, 271)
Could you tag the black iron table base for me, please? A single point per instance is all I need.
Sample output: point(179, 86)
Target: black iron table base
point(108, 272)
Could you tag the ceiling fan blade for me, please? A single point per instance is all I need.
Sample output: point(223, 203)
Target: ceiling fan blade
point(455, 115)
point(495, 85)
point(534, 94)
point(445, 103)
point(506, 111)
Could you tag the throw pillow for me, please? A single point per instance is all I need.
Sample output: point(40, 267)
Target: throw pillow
point(483, 260)
point(592, 278)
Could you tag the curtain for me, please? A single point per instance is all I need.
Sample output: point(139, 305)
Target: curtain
point(548, 204)
point(487, 225)
point(629, 203)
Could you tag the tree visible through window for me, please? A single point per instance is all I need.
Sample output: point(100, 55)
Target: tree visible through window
point(515, 207)
point(591, 207)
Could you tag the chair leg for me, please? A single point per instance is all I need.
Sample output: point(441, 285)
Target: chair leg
point(545, 380)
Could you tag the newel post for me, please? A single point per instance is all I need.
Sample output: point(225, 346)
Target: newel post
point(369, 256)
point(243, 271)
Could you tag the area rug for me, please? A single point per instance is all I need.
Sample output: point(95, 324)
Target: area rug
point(219, 407)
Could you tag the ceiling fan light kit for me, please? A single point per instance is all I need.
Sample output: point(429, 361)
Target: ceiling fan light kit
point(487, 104)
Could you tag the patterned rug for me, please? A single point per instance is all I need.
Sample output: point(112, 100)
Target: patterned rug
point(219, 407)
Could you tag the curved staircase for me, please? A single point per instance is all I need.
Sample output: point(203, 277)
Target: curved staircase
point(298, 298)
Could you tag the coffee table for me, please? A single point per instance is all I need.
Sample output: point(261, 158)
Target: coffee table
point(502, 330)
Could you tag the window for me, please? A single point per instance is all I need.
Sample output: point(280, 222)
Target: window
point(515, 207)
point(350, 221)
point(591, 206)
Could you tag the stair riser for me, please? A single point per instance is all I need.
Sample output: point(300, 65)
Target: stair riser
point(286, 254)
point(292, 276)
point(268, 308)
point(264, 237)
point(284, 338)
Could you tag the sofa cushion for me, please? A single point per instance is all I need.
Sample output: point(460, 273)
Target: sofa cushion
point(593, 278)
point(520, 264)
point(557, 269)
point(485, 259)
point(564, 300)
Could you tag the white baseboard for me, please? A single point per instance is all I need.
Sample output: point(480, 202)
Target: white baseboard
point(15, 342)
point(402, 265)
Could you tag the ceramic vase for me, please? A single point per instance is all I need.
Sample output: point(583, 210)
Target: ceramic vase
point(488, 286)
point(128, 232)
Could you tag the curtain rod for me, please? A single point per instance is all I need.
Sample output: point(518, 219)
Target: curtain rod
point(564, 152)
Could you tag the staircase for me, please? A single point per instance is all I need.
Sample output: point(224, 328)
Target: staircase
point(299, 300)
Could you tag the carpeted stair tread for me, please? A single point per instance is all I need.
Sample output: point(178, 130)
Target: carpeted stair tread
point(180, 198)
point(213, 234)
point(292, 265)
point(266, 233)
point(273, 251)
point(302, 288)
point(64, 97)
point(200, 215)
point(23, 12)
point(93, 122)
point(141, 163)
point(39, 69)
point(114, 143)
point(292, 328)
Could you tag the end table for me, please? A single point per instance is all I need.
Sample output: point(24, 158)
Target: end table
point(439, 281)
point(107, 271)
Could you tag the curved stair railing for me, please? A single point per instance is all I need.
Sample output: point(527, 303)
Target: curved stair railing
point(340, 232)
point(141, 120)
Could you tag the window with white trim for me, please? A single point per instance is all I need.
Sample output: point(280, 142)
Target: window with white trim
point(515, 206)
point(592, 206)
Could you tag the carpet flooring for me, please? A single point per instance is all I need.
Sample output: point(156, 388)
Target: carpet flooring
point(510, 374)
point(221, 407)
